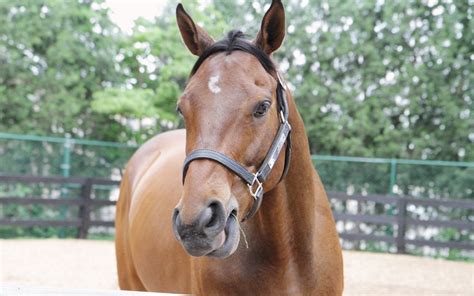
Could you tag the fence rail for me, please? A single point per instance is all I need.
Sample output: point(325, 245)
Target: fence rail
point(85, 202)
point(401, 220)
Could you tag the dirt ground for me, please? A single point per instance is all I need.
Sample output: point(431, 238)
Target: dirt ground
point(91, 265)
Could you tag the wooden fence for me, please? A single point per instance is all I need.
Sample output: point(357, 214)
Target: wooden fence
point(85, 202)
point(400, 221)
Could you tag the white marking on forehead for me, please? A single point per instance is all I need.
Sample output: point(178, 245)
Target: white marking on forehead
point(212, 84)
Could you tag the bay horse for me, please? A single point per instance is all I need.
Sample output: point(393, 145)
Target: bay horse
point(241, 217)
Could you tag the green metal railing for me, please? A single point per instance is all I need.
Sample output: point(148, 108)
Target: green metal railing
point(393, 162)
point(92, 158)
point(67, 142)
point(10, 136)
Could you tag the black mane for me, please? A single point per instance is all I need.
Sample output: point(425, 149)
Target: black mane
point(235, 41)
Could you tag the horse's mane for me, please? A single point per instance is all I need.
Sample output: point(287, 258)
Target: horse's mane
point(235, 41)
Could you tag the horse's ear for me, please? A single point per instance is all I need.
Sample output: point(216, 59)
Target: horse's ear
point(272, 30)
point(195, 38)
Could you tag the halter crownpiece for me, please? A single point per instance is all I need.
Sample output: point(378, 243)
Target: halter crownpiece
point(255, 181)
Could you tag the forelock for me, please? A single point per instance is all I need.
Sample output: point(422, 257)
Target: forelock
point(235, 41)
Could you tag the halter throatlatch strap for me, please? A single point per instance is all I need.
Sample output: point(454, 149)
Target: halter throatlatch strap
point(255, 180)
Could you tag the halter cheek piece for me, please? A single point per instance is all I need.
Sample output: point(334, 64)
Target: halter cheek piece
point(255, 181)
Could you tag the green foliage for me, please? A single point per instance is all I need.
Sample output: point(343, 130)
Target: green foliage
point(54, 56)
point(387, 79)
point(136, 103)
point(370, 78)
point(154, 59)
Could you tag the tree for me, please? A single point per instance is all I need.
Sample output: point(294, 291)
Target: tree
point(154, 59)
point(386, 79)
point(54, 55)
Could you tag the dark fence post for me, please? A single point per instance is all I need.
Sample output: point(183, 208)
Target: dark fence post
point(401, 221)
point(85, 209)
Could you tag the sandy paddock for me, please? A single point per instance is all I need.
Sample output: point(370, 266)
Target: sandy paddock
point(81, 264)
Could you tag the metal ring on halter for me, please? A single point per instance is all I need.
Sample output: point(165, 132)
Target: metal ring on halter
point(259, 190)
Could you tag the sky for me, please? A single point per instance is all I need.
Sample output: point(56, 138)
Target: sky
point(124, 12)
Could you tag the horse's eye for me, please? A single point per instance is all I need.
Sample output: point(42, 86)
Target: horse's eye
point(262, 108)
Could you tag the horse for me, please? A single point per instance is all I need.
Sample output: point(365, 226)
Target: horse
point(232, 204)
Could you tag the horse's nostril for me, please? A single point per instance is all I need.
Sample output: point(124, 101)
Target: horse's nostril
point(212, 207)
point(233, 213)
point(175, 216)
point(176, 222)
point(213, 218)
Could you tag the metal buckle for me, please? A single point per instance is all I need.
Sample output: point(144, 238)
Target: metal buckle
point(259, 190)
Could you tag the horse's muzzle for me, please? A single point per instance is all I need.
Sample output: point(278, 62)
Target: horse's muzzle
point(212, 233)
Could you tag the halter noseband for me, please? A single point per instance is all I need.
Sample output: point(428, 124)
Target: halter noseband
point(255, 181)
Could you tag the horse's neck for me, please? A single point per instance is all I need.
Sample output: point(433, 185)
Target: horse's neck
point(285, 223)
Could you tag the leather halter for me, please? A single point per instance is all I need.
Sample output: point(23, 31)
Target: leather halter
point(255, 181)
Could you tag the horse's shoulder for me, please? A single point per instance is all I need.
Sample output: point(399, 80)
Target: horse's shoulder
point(144, 157)
point(163, 140)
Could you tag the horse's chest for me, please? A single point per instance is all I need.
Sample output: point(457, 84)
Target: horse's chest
point(244, 276)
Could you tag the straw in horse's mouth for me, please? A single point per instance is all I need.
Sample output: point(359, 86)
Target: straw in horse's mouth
point(241, 231)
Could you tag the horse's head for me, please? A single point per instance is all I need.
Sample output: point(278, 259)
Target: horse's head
point(229, 106)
